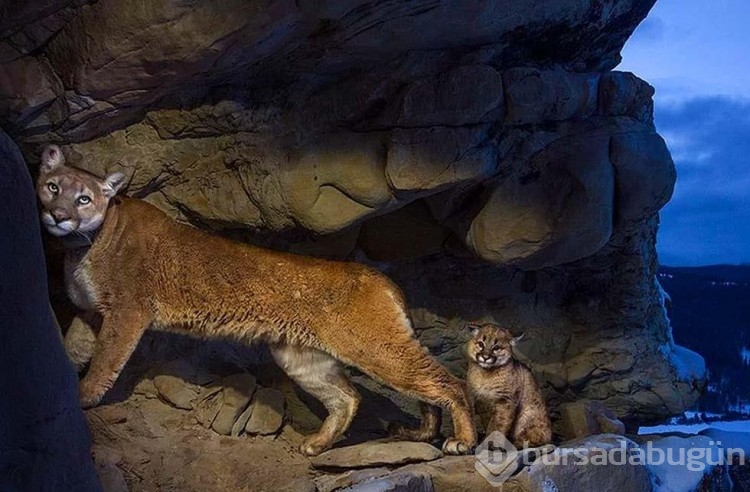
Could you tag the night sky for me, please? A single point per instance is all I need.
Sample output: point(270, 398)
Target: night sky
point(696, 53)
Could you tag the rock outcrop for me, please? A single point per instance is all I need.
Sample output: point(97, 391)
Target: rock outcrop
point(602, 462)
point(485, 156)
point(370, 455)
point(44, 439)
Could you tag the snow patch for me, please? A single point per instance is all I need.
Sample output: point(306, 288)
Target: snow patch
point(730, 426)
point(742, 407)
point(679, 463)
point(688, 364)
point(669, 428)
point(745, 354)
point(734, 442)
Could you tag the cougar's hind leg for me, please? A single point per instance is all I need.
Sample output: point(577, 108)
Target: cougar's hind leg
point(428, 381)
point(403, 364)
point(427, 431)
point(323, 377)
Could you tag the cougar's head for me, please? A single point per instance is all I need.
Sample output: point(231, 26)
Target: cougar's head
point(491, 346)
point(73, 201)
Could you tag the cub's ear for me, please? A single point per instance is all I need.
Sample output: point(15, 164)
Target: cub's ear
point(52, 158)
point(517, 339)
point(473, 328)
point(112, 184)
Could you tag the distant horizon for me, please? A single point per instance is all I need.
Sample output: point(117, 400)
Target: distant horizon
point(701, 74)
point(745, 264)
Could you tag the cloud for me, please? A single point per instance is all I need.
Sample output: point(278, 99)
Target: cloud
point(708, 219)
point(684, 55)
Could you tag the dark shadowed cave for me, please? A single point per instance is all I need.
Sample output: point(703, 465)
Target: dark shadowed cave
point(484, 155)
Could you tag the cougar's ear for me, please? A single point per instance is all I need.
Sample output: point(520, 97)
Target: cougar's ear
point(517, 339)
point(52, 158)
point(112, 184)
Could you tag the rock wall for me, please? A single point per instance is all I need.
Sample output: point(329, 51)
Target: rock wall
point(44, 439)
point(483, 154)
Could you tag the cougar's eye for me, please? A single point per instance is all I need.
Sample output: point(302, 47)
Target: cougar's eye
point(52, 187)
point(83, 200)
point(480, 344)
point(495, 348)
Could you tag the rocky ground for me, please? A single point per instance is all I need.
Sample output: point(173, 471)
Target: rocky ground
point(174, 427)
point(168, 434)
point(146, 445)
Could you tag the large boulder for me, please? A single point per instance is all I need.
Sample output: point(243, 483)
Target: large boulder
point(559, 210)
point(601, 462)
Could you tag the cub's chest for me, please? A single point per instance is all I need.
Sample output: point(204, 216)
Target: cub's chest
point(491, 384)
point(79, 284)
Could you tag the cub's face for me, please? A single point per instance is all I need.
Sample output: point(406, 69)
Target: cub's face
point(491, 346)
point(72, 201)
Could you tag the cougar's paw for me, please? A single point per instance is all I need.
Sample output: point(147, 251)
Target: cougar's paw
point(455, 446)
point(88, 400)
point(314, 445)
point(88, 394)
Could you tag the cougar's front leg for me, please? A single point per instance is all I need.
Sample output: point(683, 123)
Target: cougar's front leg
point(119, 335)
point(80, 339)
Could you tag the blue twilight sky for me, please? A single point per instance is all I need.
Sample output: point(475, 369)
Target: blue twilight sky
point(696, 53)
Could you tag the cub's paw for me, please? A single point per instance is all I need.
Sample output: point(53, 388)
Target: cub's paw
point(455, 446)
point(313, 446)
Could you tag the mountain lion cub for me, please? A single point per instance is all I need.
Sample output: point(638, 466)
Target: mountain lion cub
point(130, 267)
point(498, 380)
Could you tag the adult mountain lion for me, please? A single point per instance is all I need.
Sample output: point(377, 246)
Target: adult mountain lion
point(130, 267)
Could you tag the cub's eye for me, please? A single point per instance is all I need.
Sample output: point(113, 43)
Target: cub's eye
point(52, 187)
point(83, 200)
point(480, 344)
point(495, 348)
